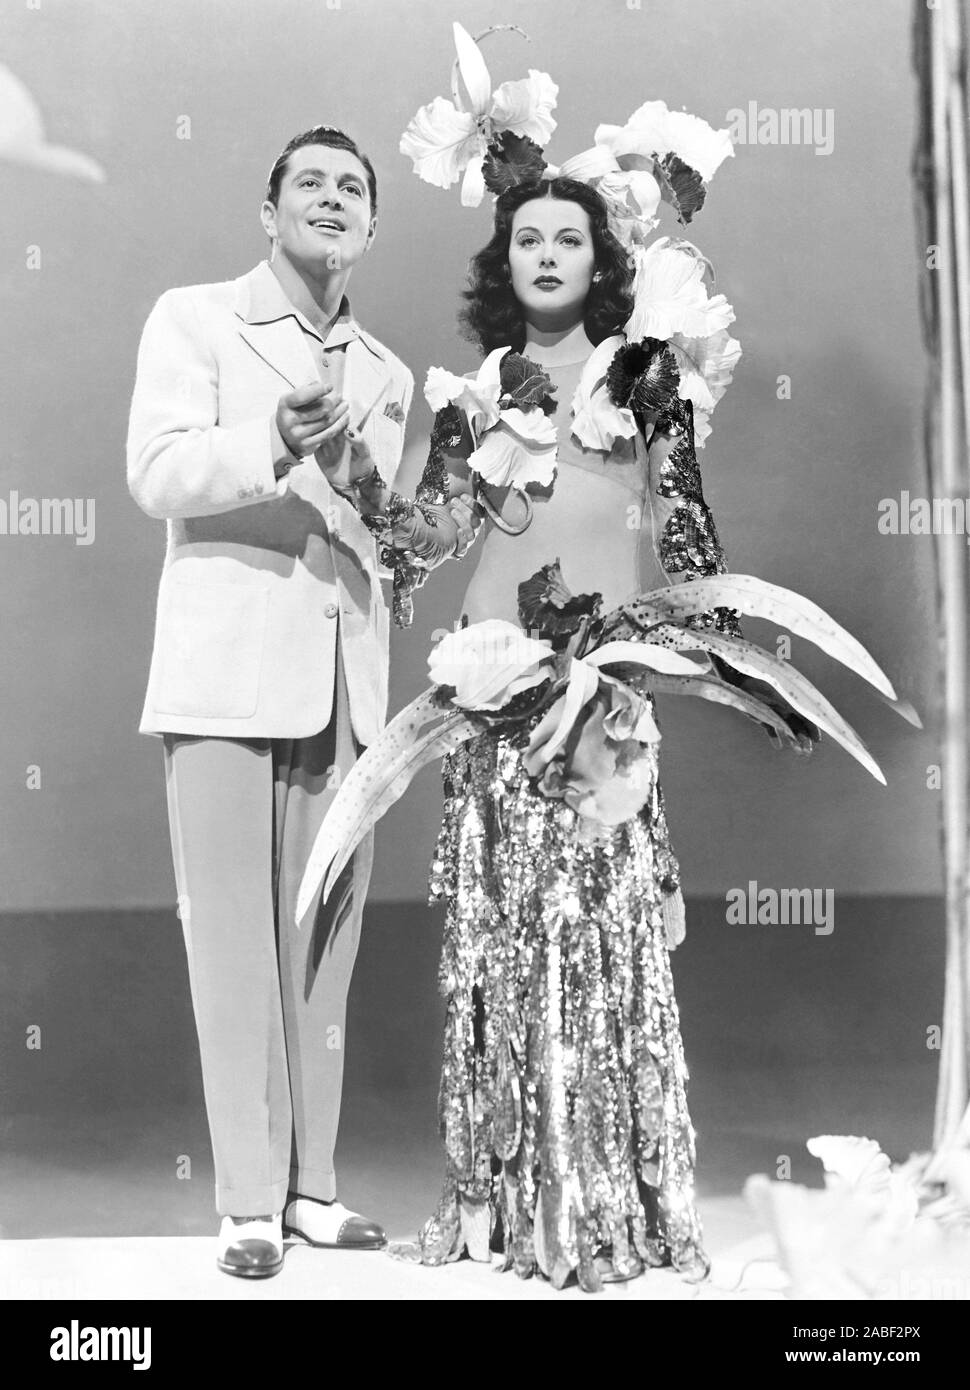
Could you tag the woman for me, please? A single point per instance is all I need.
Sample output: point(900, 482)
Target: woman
point(563, 1092)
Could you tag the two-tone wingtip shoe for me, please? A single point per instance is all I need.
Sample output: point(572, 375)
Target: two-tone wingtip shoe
point(330, 1226)
point(251, 1247)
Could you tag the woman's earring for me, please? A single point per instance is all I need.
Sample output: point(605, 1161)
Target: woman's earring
point(597, 277)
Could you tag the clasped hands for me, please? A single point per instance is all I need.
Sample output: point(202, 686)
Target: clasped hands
point(313, 419)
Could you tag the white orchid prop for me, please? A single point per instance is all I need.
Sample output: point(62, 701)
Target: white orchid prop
point(591, 746)
point(515, 440)
point(658, 155)
point(448, 139)
point(672, 304)
point(877, 1231)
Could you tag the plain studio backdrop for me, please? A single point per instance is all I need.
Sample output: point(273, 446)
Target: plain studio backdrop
point(186, 103)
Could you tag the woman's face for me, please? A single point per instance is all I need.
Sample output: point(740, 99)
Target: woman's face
point(552, 260)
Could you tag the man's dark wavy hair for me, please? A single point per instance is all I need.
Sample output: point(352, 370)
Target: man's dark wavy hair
point(320, 135)
point(493, 316)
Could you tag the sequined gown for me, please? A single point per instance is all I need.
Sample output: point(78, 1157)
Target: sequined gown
point(562, 1105)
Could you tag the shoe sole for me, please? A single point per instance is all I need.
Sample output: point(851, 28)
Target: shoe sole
point(288, 1231)
point(266, 1272)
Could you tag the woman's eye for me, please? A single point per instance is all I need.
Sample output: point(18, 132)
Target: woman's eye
point(528, 241)
point(571, 241)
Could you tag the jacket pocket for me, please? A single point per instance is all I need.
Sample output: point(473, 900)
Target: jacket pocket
point(211, 639)
point(388, 445)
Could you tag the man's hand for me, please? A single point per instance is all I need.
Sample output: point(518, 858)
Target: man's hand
point(310, 418)
point(468, 517)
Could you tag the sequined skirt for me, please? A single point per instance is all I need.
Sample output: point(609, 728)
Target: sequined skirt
point(562, 1104)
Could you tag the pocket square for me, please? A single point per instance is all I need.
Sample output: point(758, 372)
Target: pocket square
point(394, 412)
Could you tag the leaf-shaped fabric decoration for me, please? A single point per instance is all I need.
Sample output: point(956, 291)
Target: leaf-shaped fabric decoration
point(643, 376)
point(654, 387)
point(428, 749)
point(759, 599)
point(523, 381)
point(797, 689)
point(547, 606)
point(510, 160)
point(378, 778)
point(655, 656)
point(708, 687)
point(681, 186)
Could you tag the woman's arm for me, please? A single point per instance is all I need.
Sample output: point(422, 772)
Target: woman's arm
point(685, 536)
point(688, 545)
point(440, 523)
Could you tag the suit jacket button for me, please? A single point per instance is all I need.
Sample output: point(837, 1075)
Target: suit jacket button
point(259, 488)
point(331, 610)
point(241, 493)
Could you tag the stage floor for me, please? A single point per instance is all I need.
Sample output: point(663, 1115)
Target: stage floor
point(105, 1169)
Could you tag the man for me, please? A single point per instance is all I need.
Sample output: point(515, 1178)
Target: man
point(269, 672)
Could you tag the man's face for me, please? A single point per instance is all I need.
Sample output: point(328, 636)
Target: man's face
point(323, 216)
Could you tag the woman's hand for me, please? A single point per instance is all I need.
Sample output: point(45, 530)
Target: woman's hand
point(344, 459)
point(804, 733)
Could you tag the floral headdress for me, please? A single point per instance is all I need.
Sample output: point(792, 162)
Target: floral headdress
point(493, 140)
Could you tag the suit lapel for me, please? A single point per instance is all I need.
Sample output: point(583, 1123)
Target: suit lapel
point(365, 379)
point(279, 340)
point(283, 345)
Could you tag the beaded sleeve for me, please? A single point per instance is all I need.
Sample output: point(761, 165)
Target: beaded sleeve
point(407, 533)
point(688, 545)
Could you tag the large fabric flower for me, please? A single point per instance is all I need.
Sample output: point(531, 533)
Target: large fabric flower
point(514, 446)
point(597, 421)
point(658, 154)
point(448, 139)
point(608, 775)
point(521, 448)
point(477, 396)
point(632, 196)
point(488, 663)
point(655, 130)
point(706, 366)
point(669, 294)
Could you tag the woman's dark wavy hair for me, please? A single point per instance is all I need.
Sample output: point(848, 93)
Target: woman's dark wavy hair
point(493, 316)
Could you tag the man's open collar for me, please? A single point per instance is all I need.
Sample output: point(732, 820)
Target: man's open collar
point(262, 299)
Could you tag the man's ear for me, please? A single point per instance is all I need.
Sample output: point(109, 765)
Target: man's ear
point(267, 215)
point(371, 231)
